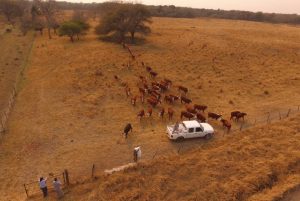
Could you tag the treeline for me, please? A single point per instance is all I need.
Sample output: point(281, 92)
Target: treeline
point(172, 11)
point(183, 12)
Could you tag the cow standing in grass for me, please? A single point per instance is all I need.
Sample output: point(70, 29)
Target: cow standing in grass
point(127, 128)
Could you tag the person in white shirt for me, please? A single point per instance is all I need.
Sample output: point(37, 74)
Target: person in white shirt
point(57, 188)
point(137, 154)
point(43, 186)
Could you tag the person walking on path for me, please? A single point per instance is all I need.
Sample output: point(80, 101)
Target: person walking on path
point(43, 186)
point(127, 128)
point(57, 188)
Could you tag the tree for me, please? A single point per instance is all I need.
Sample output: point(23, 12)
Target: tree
point(139, 15)
point(73, 29)
point(47, 8)
point(25, 24)
point(126, 18)
point(10, 9)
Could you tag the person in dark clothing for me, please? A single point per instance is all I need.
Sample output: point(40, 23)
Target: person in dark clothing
point(127, 128)
point(43, 186)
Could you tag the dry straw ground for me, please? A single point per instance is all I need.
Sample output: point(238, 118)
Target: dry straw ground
point(71, 112)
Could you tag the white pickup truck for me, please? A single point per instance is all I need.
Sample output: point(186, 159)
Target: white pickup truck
point(189, 129)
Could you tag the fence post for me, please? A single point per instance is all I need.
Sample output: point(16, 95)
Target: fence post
point(179, 148)
point(93, 170)
point(67, 177)
point(268, 120)
point(241, 126)
point(279, 115)
point(64, 177)
point(26, 190)
point(2, 126)
point(287, 115)
point(154, 155)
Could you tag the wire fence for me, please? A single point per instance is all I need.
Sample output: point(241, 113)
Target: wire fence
point(6, 112)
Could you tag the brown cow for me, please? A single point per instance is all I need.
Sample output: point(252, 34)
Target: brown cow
point(200, 107)
point(174, 97)
point(128, 91)
point(241, 115)
point(141, 114)
point(170, 113)
point(169, 82)
point(142, 78)
point(142, 90)
point(214, 116)
point(163, 87)
point(169, 99)
point(183, 89)
point(116, 77)
point(153, 74)
point(152, 102)
point(186, 114)
point(149, 111)
point(148, 68)
point(190, 110)
point(185, 100)
point(142, 98)
point(133, 100)
point(156, 88)
point(234, 114)
point(161, 113)
point(226, 124)
point(200, 117)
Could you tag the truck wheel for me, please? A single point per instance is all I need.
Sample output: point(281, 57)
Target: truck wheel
point(208, 136)
point(180, 139)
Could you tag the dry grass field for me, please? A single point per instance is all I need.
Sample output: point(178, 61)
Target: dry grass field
point(14, 51)
point(71, 112)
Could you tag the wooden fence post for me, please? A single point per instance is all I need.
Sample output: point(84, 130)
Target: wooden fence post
point(154, 155)
point(179, 148)
point(64, 177)
point(287, 115)
point(26, 190)
point(279, 115)
point(268, 120)
point(67, 177)
point(241, 126)
point(93, 170)
point(2, 126)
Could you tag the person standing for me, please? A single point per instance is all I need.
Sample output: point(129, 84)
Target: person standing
point(57, 188)
point(137, 154)
point(43, 186)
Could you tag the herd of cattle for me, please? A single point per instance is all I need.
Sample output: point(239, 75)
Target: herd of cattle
point(154, 92)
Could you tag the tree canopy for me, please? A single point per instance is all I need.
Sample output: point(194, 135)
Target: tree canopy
point(10, 9)
point(124, 19)
point(72, 29)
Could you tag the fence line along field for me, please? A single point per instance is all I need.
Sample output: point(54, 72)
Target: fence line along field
point(71, 110)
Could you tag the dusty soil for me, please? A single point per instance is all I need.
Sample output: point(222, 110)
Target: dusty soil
point(71, 112)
